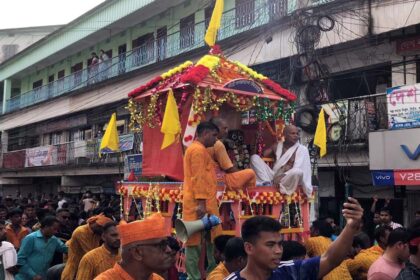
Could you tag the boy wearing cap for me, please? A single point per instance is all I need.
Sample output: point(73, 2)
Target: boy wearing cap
point(145, 251)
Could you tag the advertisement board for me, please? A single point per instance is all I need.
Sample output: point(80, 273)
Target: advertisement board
point(403, 106)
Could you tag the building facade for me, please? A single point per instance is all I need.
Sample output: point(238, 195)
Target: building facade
point(341, 55)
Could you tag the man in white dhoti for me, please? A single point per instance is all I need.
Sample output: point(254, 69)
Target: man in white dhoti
point(292, 166)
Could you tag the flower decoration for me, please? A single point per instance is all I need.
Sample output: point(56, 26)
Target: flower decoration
point(176, 70)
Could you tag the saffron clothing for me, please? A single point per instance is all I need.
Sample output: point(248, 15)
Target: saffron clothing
point(95, 262)
point(8, 259)
point(237, 180)
point(383, 269)
point(359, 266)
point(36, 253)
point(219, 273)
point(118, 273)
point(82, 241)
point(294, 165)
point(16, 238)
point(316, 246)
point(199, 183)
point(150, 228)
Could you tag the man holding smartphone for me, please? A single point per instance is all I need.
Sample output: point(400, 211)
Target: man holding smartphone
point(263, 245)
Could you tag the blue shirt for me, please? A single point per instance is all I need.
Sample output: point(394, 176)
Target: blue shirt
point(290, 270)
point(35, 255)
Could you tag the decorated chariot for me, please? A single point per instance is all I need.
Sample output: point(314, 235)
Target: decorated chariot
point(256, 109)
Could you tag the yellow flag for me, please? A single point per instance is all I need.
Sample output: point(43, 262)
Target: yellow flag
point(110, 142)
point(320, 138)
point(214, 24)
point(171, 127)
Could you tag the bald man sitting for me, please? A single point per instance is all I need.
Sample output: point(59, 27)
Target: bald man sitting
point(233, 177)
point(292, 166)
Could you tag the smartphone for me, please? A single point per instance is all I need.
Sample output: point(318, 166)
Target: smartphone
point(348, 190)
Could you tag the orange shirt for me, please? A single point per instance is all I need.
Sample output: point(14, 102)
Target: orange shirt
point(220, 156)
point(82, 241)
point(118, 273)
point(316, 246)
point(16, 238)
point(235, 180)
point(359, 266)
point(95, 262)
point(219, 273)
point(199, 183)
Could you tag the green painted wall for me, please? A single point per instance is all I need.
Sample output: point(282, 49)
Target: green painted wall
point(169, 18)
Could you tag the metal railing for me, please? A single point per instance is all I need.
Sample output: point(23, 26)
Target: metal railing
point(149, 53)
point(85, 152)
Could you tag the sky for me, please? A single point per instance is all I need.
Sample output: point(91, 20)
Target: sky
point(26, 13)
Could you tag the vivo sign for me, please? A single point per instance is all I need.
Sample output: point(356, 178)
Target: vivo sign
point(396, 177)
point(410, 155)
point(395, 149)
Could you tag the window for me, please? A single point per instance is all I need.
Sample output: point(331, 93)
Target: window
point(37, 84)
point(244, 13)
point(76, 70)
point(162, 34)
point(144, 49)
point(277, 9)
point(187, 25)
point(60, 81)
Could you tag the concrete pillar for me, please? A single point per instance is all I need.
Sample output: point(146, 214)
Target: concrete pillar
point(404, 74)
point(4, 141)
point(7, 93)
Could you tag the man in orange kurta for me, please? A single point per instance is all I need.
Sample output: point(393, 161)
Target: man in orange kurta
point(200, 191)
point(83, 239)
point(359, 266)
point(102, 258)
point(233, 178)
point(145, 251)
point(318, 245)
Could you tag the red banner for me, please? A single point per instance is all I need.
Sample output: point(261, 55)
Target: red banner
point(169, 161)
point(407, 177)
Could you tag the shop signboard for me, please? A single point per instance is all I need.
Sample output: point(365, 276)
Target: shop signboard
point(394, 157)
point(403, 106)
point(396, 177)
point(383, 178)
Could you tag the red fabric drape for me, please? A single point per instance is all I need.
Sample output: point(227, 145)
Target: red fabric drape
point(169, 161)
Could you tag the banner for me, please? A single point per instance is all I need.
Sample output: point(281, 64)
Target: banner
point(126, 143)
point(403, 106)
point(133, 163)
point(41, 156)
point(396, 177)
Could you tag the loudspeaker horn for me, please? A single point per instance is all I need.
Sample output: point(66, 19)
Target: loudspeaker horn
point(184, 229)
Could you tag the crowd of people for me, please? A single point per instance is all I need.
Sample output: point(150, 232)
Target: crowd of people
point(61, 237)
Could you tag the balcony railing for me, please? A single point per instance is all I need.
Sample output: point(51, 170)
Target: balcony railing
point(351, 120)
point(68, 154)
point(146, 54)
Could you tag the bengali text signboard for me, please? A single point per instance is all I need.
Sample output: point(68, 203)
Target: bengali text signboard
point(403, 106)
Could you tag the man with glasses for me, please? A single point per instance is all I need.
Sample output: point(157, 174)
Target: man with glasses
point(397, 252)
point(145, 251)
